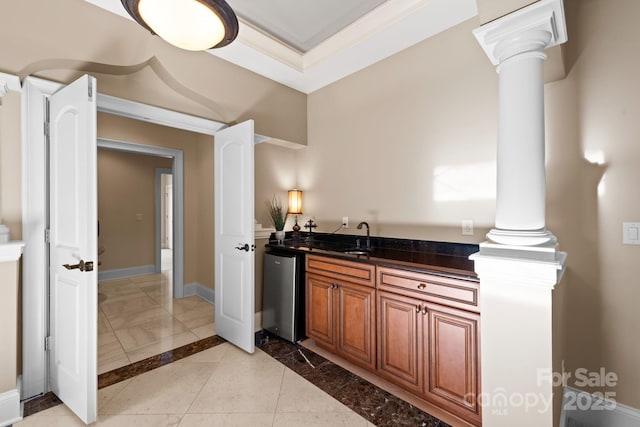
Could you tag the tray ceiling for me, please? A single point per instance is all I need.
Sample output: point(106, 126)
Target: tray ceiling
point(308, 44)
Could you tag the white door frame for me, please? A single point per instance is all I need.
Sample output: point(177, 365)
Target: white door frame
point(159, 212)
point(178, 202)
point(34, 211)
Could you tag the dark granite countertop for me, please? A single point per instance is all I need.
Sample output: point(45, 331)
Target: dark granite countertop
point(442, 258)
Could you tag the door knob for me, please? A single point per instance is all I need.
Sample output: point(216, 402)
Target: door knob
point(243, 248)
point(82, 266)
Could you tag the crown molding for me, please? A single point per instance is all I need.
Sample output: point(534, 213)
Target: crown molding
point(388, 29)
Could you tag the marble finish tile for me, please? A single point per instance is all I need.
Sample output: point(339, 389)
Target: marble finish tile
point(243, 384)
point(131, 304)
point(34, 406)
point(164, 344)
point(187, 304)
point(205, 331)
point(103, 324)
point(111, 355)
point(106, 394)
point(149, 278)
point(200, 316)
point(315, 419)
point(169, 389)
point(138, 420)
point(152, 314)
point(151, 363)
point(148, 333)
point(299, 395)
point(227, 420)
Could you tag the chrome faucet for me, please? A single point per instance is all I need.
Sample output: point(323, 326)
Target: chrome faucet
point(359, 227)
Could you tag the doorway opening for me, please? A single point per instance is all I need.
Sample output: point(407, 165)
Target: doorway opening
point(164, 221)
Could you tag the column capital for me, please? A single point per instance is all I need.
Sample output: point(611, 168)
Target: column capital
point(533, 28)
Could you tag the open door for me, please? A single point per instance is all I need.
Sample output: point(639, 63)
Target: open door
point(73, 234)
point(234, 240)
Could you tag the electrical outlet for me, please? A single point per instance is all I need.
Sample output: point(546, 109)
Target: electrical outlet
point(345, 222)
point(467, 227)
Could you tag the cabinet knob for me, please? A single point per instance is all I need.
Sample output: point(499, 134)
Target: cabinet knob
point(424, 310)
point(421, 286)
point(418, 308)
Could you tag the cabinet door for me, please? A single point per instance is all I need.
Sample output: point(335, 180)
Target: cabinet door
point(356, 323)
point(320, 311)
point(452, 378)
point(399, 339)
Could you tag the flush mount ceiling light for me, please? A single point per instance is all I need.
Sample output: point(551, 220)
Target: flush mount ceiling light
point(187, 24)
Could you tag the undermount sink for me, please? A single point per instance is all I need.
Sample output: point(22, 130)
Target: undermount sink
point(357, 251)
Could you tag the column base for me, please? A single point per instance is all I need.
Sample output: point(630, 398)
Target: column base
point(4, 234)
point(522, 237)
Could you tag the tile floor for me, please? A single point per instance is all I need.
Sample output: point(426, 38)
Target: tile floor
point(138, 318)
point(221, 386)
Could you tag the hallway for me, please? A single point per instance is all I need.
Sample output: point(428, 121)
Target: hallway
point(138, 318)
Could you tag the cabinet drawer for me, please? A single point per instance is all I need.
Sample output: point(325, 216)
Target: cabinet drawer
point(355, 272)
point(452, 292)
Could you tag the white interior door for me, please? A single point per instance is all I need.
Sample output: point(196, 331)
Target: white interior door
point(234, 242)
point(73, 223)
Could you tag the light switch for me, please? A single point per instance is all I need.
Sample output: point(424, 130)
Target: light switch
point(631, 233)
point(139, 217)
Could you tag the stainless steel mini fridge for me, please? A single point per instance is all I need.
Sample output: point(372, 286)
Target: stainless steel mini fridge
point(283, 296)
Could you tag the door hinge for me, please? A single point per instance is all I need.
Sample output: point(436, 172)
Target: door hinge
point(47, 235)
point(47, 343)
point(46, 119)
point(90, 89)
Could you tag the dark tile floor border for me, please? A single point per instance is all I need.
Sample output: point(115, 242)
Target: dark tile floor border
point(49, 400)
point(368, 400)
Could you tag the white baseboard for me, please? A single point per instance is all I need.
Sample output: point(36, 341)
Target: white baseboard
point(582, 409)
point(10, 407)
point(198, 289)
point(126, 272)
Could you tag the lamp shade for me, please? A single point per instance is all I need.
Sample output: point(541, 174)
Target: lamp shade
point(295, 202)
point(187, 24)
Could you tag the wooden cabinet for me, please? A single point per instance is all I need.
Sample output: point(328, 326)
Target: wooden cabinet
point(450, 350)
point(399, 340)
point(341, 308)
point(427, 347)
point(417, 330)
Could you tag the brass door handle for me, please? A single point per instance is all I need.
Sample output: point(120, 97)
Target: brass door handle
point(82, 266)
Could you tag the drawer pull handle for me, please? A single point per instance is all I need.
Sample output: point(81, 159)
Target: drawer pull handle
point(421, 286)
point(418, 308)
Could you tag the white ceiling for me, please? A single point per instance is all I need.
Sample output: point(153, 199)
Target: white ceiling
point(302, 24)
point(308, 44)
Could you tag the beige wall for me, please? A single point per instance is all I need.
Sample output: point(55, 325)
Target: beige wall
point(10, 158)
point(9, 321)
point(408, 144)
point(126, 188)
point(198, 185)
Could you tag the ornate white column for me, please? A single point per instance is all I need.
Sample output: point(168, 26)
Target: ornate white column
point(515, 44)
point(7, 83)
point(520, 265)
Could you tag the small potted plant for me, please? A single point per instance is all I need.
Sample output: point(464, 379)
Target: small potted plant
point(278, 216)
